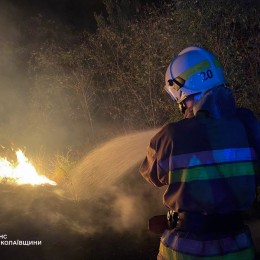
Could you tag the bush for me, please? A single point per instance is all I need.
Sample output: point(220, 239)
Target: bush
point(116, 75)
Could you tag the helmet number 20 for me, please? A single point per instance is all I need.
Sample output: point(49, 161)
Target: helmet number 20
point(206, 75)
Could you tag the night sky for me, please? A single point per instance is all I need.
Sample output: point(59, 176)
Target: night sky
point(77, 13)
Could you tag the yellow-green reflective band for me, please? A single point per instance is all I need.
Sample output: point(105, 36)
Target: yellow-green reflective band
point(212, 172)
point(170, 254)
point(198, 68)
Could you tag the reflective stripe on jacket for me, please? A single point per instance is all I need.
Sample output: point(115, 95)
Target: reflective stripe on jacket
point(180, 246)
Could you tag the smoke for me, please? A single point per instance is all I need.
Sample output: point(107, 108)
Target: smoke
point(47, 98)
point(101, 213)
point(110, 174)
point(106, 204)
point(109, 205)
point(25, 118)
point(13, 107)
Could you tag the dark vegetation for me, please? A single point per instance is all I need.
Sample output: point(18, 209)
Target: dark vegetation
point(78, 86)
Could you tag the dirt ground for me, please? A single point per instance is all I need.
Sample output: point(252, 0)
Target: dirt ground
point(70, 229)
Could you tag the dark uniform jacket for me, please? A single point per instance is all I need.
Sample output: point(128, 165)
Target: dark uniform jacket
point(207, 160)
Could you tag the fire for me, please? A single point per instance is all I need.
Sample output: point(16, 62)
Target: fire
point(23, 172)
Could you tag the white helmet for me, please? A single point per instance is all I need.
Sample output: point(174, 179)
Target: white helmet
point(193, 71)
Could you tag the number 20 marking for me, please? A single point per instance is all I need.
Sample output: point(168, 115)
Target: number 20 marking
point(206, 75)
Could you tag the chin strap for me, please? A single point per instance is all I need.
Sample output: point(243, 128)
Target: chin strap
point(182, 108)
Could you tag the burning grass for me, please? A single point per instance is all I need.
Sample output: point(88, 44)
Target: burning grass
point(22, 172)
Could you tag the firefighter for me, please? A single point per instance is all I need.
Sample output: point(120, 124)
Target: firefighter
point(207, 161)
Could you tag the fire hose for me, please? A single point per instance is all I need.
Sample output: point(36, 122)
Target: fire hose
point(158, 224)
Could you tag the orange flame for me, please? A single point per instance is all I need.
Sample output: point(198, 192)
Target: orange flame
point(22, 173)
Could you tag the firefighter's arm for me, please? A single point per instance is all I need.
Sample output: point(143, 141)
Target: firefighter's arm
point(150, 168)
